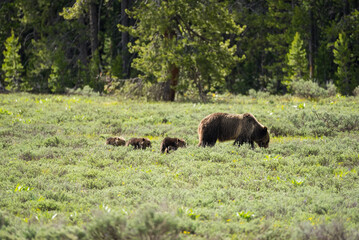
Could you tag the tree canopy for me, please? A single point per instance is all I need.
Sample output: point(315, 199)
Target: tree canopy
point(185, 43)
point(204, 46)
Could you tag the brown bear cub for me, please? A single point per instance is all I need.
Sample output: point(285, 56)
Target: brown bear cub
point(169, 144)
point(116, 141)
point(243, 128)
point(139, 143)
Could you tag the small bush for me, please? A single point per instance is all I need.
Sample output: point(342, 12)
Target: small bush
point(4, 221)
point(107, 227)
point(85, 91)
point(54, 233)
point(308, 89)
point(356, 91)
point(332, 90)
point(333, 230)
point(52, 142)
point(147, 225)
point(28, 156)
point(137, 88)
point(260, 94)
point(48, 205)
point(156, 226)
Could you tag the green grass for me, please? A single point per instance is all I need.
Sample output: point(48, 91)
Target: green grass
point(59, 180)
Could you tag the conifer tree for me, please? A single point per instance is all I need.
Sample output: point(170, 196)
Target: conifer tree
point(182, 43)
point(12, 66)
point(297, 64)
point(342, 58)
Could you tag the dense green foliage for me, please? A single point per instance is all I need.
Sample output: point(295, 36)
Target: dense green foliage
point(172, 35)
point(297, 62)
point(12, 66)
point(58, 179)
point(190, 44)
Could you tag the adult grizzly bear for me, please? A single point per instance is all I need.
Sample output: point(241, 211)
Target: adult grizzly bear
point(139, 143)
point(116, 141)
point(243, 128)
point(171, 144)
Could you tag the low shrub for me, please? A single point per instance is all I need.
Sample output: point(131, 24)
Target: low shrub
point(48, 205)
point(135, 88)
point(332, 230)
point(308, 89)
point(4, 221)
point(356, 91)
point(331, 89)
point(258, 94)
point(57, 173)
point(146, 224)
point(107, 227)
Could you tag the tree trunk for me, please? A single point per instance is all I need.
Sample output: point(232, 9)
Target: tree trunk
point(346, 9)
point(82, 44)
point(174, 81)
point(169, 90)
point(125, 40)
point(93, 27)
point(311, 43)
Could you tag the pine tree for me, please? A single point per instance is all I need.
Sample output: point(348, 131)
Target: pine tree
point(342, 57)
point(184, 44)
point(297, 64)
point(12, 66)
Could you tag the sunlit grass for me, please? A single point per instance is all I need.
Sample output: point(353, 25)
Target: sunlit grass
point(58, 176)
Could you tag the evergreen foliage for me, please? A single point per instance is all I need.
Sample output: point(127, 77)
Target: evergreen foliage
point(343, 58)
point(297, 64)
point(12, 66)
point(181, 47)
point(188, 35)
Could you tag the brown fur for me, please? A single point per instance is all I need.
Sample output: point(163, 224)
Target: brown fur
point(116, 141)
point(171, 144)
point(243, 128)
point(139, 143)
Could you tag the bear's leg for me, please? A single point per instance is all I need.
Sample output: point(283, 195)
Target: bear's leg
point(209, 142)
point(171, 148)
point(209, 138)
point(242, 139)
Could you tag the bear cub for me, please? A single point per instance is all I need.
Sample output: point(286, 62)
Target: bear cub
point(139, 143)
point(116, 141)
point(169, 144)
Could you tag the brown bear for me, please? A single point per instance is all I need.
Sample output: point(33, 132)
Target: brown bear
point(116, 141)
point(139, 143)
point(171, 144)
point(243, 128)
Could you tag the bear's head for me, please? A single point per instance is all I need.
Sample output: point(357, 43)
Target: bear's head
point(145, 143)
point(262, 137)
point(181, 143)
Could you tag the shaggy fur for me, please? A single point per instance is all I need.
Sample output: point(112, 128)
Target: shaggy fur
point(116, 141)
point(243, 128)
point(139, 143)
point(171, 144)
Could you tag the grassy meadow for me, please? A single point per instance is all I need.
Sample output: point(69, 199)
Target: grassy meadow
point(58, 179)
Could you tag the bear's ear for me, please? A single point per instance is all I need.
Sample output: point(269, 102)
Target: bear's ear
point(260, 133)
point(264, 131)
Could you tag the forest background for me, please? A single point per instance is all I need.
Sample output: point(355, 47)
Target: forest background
point(164, 49)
